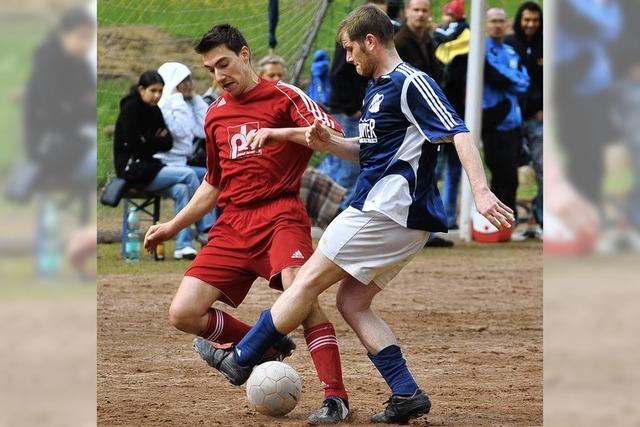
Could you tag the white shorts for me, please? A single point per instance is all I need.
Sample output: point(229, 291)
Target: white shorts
point(370, 246)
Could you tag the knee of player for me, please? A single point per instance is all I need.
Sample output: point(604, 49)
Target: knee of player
point(347, 306)
point(181, 317)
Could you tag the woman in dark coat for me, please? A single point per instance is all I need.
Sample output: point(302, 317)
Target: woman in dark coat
point(140, 133)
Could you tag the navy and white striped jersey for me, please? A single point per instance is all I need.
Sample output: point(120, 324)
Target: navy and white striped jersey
point(404, 116)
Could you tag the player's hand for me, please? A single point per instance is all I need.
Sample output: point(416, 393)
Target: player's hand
point(498, 214)
point(262, 137)
point(318, 137)
point(156, 234)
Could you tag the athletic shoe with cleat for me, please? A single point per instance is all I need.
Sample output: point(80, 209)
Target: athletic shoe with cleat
point(332, 411)
point(222, 358)
point(400, 410)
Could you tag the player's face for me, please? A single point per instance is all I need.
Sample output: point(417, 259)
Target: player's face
point(232, 72)
point(530, 22)
point(151, 94)
point(418, 13)
point(358, 56)
point(272, 72)
point(496, 24)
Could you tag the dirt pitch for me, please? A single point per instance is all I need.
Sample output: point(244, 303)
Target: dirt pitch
point(469, 321)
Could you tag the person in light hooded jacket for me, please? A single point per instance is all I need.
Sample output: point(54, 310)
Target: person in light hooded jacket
point(183, 111)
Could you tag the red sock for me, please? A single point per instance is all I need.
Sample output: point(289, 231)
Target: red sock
point(223, 328)
point(323, 346)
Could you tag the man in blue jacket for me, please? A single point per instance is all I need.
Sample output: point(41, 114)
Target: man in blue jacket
point(505, 79)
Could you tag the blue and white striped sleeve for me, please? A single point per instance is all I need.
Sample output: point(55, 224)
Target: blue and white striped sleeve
point(425, 106)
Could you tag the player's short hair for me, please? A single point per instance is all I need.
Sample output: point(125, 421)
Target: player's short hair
point(364, 20)
point(222, 34)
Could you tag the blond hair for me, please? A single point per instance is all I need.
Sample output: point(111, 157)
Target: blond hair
point(364, 20)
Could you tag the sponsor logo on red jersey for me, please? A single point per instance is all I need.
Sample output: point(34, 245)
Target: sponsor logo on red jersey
point(239, 138)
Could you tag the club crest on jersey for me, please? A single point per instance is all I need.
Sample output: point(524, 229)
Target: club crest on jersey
point(367, 130)
point(239, 138)
point(375, 103)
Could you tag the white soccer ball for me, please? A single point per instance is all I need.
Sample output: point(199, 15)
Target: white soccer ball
point(274, 389)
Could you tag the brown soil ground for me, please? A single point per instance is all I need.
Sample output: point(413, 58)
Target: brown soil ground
point(469, 321)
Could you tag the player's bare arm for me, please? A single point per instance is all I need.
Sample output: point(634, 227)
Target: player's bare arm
point(318, 137)
point(321, 138)
point(203, 201)
point(499, 214)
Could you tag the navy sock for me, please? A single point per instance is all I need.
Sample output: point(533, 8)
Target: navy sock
point(393, 367)
point(257, 341)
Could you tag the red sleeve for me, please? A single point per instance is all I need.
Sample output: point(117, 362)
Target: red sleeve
point(302, 109)
point(213, 159)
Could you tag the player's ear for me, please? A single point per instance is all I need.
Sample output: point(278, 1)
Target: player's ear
point(370, 41)
point(245, 54)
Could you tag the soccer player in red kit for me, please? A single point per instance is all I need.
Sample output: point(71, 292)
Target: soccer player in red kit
point(264, 230)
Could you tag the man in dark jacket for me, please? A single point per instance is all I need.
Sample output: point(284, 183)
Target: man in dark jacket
point(413, 42)
point(527, 42)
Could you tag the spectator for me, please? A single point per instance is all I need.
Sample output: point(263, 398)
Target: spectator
point(183, 111)
point(272, 68)
point(527, 42)
point(413, 42)
point(139, 134)
point(60, 105)
point(505, 78)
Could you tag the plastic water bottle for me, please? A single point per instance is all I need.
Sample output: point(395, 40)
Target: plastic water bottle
point(49, 247)
point(132, 246)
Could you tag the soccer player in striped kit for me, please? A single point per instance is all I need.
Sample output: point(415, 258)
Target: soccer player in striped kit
point(395, 206)
point(264, 230)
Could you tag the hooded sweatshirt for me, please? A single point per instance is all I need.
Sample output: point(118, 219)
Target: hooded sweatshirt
point(530, 51)
point(320, 87)
point(184, 118)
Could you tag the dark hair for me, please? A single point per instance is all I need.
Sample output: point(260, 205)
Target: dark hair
point(394, 7)
point(365, 20)
point(517, 25)
point(148, 78)
point(76, 18)
point(224, 34)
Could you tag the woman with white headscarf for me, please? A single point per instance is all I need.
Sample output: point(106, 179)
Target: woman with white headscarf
point(183, 111)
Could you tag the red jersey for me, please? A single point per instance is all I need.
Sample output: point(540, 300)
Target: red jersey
point(246, 176)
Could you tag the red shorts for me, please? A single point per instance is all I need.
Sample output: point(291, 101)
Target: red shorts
point(248, 243)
